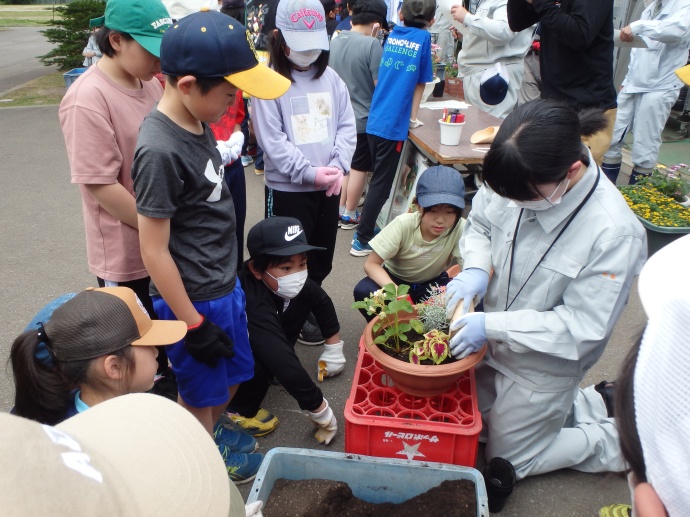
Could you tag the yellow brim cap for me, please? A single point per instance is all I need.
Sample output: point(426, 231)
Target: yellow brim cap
point(260, 82)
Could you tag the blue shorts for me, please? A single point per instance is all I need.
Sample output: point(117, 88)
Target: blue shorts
point(200, 385)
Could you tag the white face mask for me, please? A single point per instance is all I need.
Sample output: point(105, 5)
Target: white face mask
point(545, 203)
point(305, 58)
point(290, 285)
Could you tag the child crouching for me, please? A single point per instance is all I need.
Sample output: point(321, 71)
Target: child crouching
point(417, 248)
point(279, 299)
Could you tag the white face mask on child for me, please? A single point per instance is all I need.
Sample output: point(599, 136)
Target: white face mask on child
point(290, 285)
point(304, 58)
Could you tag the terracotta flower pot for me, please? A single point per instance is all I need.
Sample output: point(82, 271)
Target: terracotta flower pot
point(414, 379)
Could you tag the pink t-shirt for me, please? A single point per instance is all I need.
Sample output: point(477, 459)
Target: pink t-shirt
point(100, 121)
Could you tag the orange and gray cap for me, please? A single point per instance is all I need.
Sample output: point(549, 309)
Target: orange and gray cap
point(101, 321)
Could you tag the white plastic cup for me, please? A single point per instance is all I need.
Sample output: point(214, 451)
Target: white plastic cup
point(450, 132)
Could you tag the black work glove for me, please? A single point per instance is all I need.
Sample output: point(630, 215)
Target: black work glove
point(207, 342)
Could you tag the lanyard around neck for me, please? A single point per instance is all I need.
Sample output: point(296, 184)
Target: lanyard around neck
point(514, 241)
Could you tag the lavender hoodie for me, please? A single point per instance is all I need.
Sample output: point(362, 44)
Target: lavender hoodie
point(311, 126)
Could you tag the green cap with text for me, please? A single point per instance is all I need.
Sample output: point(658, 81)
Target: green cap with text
point(144, 20)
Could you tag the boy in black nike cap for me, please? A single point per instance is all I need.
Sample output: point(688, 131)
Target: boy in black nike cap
point(279, 298)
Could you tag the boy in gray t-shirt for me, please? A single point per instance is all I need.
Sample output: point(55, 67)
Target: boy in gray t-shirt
point(186, 219)
point(355, 55)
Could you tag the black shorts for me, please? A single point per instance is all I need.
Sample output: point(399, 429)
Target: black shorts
point(361, 160)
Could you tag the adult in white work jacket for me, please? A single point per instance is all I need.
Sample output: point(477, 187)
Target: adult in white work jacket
point(564, 248)
point(487, 40)
point(650, 89)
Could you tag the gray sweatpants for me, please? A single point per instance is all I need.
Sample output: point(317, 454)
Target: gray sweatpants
point(644, 114)
point(531, 81)
point(541, 432)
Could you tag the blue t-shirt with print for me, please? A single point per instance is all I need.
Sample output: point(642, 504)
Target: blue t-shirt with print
point(406, 62)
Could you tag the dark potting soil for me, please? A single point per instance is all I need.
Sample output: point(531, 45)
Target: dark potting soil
point(323, 498)
point(405, 356)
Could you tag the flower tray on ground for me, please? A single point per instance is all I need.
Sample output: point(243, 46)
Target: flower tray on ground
point(664, 219)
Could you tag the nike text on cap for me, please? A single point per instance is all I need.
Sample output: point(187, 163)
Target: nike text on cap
point(281, 236)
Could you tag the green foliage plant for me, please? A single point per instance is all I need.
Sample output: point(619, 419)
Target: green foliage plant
point(70, 32)
point(669, 181)
point(388, 303)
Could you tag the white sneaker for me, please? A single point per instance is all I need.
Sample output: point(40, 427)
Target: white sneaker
point(247, 160)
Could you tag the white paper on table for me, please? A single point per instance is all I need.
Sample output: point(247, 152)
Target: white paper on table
point(458, 105)
point(637, 41)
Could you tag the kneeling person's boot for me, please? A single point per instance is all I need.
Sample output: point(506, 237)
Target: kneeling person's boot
point(611, 170)
point(636, 176)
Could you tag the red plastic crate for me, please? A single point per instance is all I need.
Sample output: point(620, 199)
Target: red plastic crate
point(381, 420)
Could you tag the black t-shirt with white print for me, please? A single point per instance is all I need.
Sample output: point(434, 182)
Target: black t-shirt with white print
point(179, 176)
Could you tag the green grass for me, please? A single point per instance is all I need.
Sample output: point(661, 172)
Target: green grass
point(25, 15)
point(43, 91)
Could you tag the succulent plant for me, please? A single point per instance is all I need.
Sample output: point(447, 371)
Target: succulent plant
point(432, 310)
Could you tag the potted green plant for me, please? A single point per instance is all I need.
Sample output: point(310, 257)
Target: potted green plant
point(434, 347)
point(453, 82)
point(670, 182)
point(432, 315)
point(664, 219)
point(391, 305)
point(392, 336)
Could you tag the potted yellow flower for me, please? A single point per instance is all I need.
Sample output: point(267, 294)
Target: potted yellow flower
point(664, 218)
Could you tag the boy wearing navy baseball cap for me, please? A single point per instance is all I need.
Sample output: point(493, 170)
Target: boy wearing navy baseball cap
point(186, 218)
point(279, 299)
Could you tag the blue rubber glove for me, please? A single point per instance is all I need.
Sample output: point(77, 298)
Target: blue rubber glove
point(471, 337)
point(470, 284)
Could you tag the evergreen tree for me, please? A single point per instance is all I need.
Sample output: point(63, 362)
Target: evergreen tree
point(71, 33)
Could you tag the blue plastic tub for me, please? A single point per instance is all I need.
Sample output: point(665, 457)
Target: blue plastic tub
point(73, 75)
point(375, 480)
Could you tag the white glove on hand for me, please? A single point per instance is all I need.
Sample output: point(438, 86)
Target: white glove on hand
point(326, 423)
point(332, 360)
point(236, 140)
point(471, 337)
point(253, 509)
point(470, 284)
point(415, 123)
point(227, 154)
